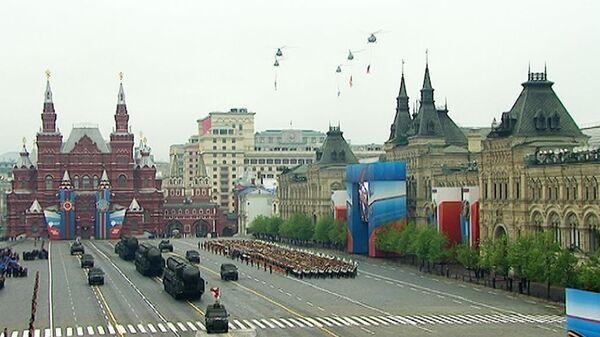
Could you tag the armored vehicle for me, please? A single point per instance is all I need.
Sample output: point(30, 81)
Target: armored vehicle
point(126, 247)
point(182, 279)
point(77, 248)
point(165, 245)
point(95, 276)
point(148, 260)
point(87, 261)
point(229, 272)
point(216, 319)
point(192, 256)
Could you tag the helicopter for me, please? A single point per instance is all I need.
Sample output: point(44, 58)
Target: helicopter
point(372, 38)
point(279, 53)
point(276, 64)
point(351, 54)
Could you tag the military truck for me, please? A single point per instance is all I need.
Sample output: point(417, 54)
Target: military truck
point(126, 247)
point(165, 245)
point(148, 260)
point(77, 248)
point(87, 261)
point(182, 279)
point(229, 272)
point(216, 318)
point(95, 276)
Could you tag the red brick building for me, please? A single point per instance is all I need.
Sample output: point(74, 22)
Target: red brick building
point(85, 186)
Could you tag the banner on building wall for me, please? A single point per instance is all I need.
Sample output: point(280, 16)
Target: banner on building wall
point(116, 223)
point(53, 220)
point(102, 227)
point(376, 202)
point(583, 313)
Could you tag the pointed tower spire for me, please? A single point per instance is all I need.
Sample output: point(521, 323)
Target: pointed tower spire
point(121, 116)
point(24, 162)
point(66, 181)
point(399, 129)
point(48, 113)
point(428, 121)
point(104, 182)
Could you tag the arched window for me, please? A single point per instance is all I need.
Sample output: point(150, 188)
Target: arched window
point(49, 182)
point(85, 183)
point(76, 182)
point(574, 233)
point(122, 180)
point(555, 224)
point(593, 226)
point(95, 182)
point(538, 221)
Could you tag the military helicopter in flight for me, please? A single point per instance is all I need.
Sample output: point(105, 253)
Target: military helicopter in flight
point(351, 54)
point(372, 38)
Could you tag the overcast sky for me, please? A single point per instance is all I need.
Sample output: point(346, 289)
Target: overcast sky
point(183, 59)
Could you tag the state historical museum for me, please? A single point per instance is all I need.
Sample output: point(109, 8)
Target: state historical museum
point(85, 187)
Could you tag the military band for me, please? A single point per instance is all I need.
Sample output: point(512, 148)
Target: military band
point(275, 257)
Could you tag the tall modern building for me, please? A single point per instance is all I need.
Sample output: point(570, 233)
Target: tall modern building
point(85, 186)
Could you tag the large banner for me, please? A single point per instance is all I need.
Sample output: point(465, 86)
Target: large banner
point(102, 214)
point(376, 201)
point(116, 223)
point(583, 313)
point(54, 224)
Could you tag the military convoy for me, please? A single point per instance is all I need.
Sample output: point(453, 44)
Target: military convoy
point(182, 279)
point(95, 276)
point(77, 248)
point(87, 261)
point(148, 260)
point(165, 245)
point(216, 318)
point(126, 248)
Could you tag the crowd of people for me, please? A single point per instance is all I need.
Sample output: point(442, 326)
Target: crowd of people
point(9, 264)
point(279, 258)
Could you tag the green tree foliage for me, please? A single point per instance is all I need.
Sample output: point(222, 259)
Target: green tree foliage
point(387, 240)
point(467, 256)
point(322, 229)
point(589, 275)
point(299, 227)
point(438, 251)
point(258, 226)
point(273, 225)
point(493, 255)
point(338, 234)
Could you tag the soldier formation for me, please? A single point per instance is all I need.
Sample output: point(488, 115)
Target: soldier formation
point(274, 257)
point(9, 264)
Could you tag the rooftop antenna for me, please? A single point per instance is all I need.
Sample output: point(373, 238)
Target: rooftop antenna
point(427, 58)
point(121, 76)
point(529, 69)
point(48, 74)
point(545, 72)
point(402, 67)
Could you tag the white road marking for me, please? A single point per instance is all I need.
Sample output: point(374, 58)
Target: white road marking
point(131, 328)
point(277, 323)
point(320, 308)
point(47, 333)
point(249, 324)
point(313, 322)
point(191, 326)
point(298, 323)
point(365, 323)
point(141, 328)
point(162, 327)
point(181, 326)
point(239, 324)
point(90, 330)
point(100, 330)
point(322, 320)
point(267, 323)
point(231, 326)
point(58, 332)
point(172, 326)
point(287, 323)
point(335, 318)
point(151, 328)
point(377, 319)
point(111, 330)
point(259, 324)
point(201, 326)
point(79, 331)
point(69, 332)
point(309, 304)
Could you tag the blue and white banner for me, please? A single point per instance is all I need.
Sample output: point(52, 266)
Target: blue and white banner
point(117, 217)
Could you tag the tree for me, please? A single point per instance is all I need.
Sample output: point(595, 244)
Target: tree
point(406, 238)
point(299, 227)
point(258, 226)
point(387, 240)
point(272, 227)
point(338, 234)
point(589, 275)
point(493, 255)
point(422, 244)
point(468, 257)
point(322, 229)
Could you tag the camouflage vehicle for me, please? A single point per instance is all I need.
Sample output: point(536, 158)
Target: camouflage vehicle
point(126, 248)
point(216, 319)
point(95, 276)
point(87, 261)
point(182, 279)
point(148, 260)
point(77, 248)
point(229, 272)
point(165, 245)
